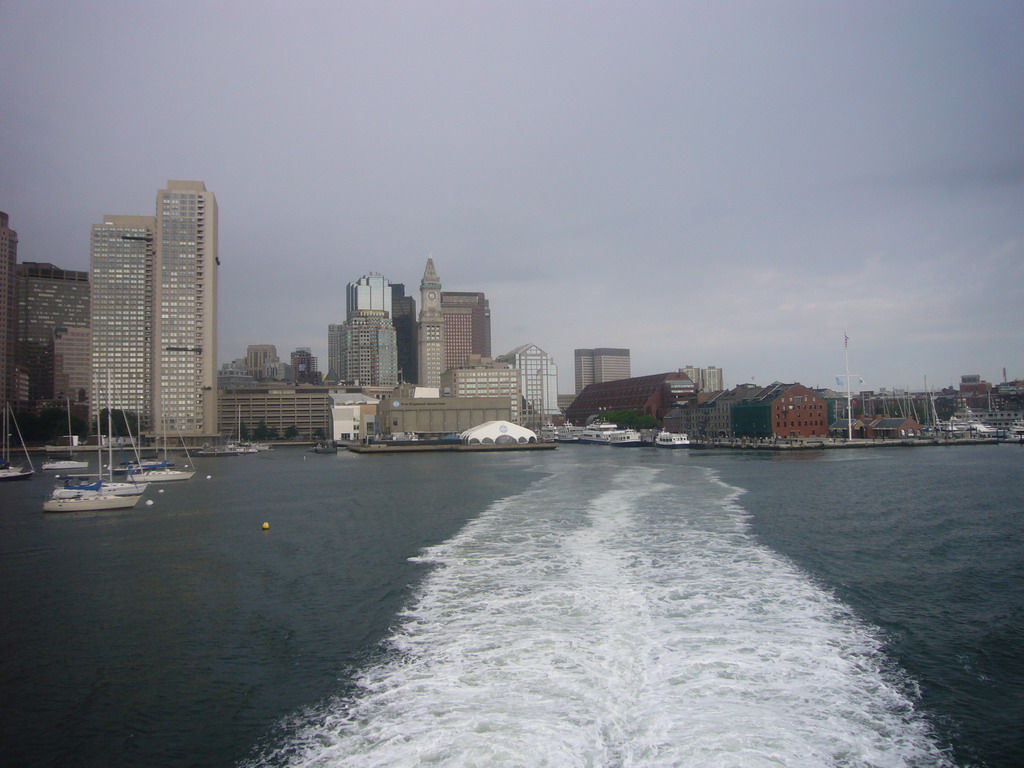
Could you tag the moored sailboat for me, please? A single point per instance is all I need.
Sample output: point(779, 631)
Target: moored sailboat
point(10, 471)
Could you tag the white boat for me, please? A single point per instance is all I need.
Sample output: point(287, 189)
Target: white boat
point(625, 438)
point(76, 495)
point(568, 433)
point(89, 501)
point(75, 485)
point(10, 471)
point(672, 440)
point(162, 475)
point(966, 424)
point(598, 433)
point(70, 462)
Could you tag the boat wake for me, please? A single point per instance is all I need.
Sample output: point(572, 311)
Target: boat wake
point(614, 616)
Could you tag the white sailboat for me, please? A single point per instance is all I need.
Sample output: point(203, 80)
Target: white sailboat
point(166, 473)
point(9, 471)
point(93, 497)
point(70, 462)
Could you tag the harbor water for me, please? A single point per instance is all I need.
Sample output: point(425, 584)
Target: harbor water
point(589, 606)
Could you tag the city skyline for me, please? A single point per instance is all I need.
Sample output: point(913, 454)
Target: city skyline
point(732, 185)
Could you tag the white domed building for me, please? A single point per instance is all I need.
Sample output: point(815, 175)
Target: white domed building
point(498, 433)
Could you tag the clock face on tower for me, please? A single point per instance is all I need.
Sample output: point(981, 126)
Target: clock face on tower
point(431, 295)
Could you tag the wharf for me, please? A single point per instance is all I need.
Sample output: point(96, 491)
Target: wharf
point(823, 445)
point(429, 446)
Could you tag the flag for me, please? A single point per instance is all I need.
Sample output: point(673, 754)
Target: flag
point(846, 341)
point(839, 382)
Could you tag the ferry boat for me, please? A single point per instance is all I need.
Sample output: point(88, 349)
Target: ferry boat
point(672, 440)
point(625, 438)
point(568, 433)
point(598, 433)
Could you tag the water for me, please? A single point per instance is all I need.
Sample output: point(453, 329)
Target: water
point(588, 606)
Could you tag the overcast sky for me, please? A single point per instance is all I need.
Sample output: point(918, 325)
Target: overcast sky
point(710, 183)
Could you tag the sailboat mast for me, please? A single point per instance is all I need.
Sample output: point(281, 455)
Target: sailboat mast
point(849, 397)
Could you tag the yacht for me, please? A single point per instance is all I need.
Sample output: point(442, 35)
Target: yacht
point(568, 433)
point(625, 438)
point(672, 440)
point(598, 433)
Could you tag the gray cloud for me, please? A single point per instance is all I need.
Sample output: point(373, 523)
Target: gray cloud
point(733, 184)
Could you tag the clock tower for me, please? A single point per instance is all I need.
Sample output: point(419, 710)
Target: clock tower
point(430, 339)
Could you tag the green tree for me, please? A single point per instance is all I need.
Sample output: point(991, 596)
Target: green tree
point(291, 432)
point(629, 419)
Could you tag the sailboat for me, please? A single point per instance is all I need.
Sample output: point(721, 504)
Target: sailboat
point(165, 473)
point(70, 462)
point(95, 496)
point(7, 470)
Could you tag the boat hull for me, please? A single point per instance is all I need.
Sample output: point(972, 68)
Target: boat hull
point(89, 503)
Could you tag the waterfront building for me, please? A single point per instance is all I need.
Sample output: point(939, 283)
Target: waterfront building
point(8, 303)
point(48, 298)
point(653, 395)
point(708, 415)
point(467, 327)
point(305, 368)
point(121, 263)
point(782, 411)
point(483, 377)
point(538, 384)
point(408, 411)
point(185, 310)
point(72, 363)
point(430, 333)
point(353, 416)
point(595, 366)
point(304, 410)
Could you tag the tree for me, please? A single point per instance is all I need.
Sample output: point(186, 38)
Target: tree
point(628, 419)
point(291, 433)
point(125, 423)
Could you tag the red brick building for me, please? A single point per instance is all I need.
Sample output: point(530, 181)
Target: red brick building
point(653, 395)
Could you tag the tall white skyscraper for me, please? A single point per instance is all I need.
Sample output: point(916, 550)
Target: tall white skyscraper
point(121, 255)
point(154, 312)
point(185, 310)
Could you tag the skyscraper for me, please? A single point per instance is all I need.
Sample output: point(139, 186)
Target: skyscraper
point(258, 359)
point(538, 381)
point(49, 298)
point(8, 260)
point(368, 351)
point(595, 366)
point(403, 317)
point(430, 339)
point(364, 350)
point(305, 366)
point(467, 327)
point(185, 309)
point(154, 311)
point(121, 255)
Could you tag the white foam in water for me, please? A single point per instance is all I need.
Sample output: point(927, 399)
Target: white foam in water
point(631, 621)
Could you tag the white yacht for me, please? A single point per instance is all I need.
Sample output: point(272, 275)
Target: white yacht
point(598, 433)
point(672, 440)
point(625, 438)
point(568, 433)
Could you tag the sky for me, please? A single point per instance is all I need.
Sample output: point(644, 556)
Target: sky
point(740, 184)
